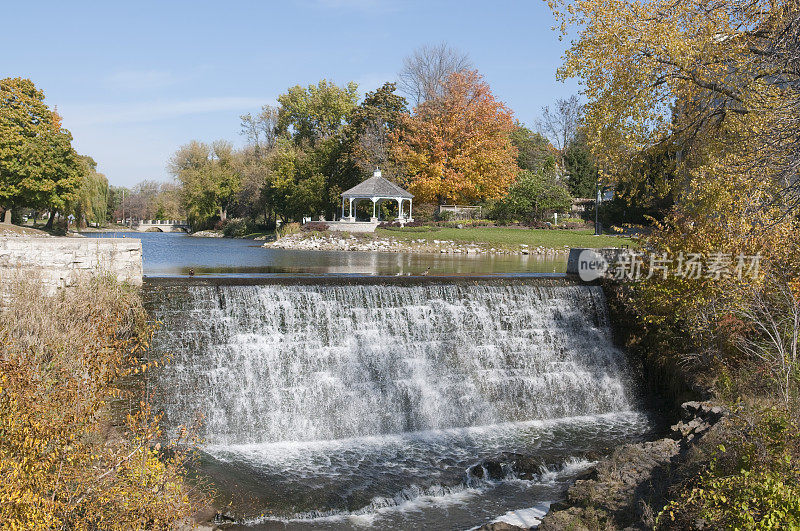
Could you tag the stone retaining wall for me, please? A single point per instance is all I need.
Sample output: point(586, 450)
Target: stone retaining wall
point(59, 262)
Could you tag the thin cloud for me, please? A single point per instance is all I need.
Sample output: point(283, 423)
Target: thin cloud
point(141, 79)
point(95, 114)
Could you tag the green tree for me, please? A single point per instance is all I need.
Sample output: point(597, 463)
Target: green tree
point(581, 169)
point(532, 197)
point(91, 201)
point(293, 188)
point(209, 177)
point(38, 166)
point(317, 112)
point(535, 152)
point(366, 140)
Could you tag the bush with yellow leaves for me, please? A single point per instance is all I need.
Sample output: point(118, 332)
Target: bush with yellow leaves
point(63, 462)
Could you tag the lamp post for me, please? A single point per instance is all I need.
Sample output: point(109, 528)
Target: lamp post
point(597, 205)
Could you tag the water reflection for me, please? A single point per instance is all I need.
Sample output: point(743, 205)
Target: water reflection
point(175, 254)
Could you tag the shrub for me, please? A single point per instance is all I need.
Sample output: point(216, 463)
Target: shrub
point(752, 480)
point(64, 360)
point(236, 228)
point(445, 215)
point(286, 229)
point(315, 226)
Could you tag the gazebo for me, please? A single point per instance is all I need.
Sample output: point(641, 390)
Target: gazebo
point(376, 189)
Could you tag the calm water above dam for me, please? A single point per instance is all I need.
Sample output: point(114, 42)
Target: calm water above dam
point(173, 254)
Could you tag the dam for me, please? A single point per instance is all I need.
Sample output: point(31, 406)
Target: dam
point(327, 405)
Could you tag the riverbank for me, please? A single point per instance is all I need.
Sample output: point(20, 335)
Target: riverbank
point(444, 242)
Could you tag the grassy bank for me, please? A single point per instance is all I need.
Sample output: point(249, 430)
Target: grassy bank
point(508, 236)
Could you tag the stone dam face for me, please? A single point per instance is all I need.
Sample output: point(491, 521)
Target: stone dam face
point(330, 405)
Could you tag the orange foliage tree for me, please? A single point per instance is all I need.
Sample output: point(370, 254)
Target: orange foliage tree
point(457, 147)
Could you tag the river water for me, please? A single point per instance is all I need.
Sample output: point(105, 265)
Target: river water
point(174, 254)
point(337, 402)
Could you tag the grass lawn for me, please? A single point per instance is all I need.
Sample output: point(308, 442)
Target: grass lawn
point(507, 236)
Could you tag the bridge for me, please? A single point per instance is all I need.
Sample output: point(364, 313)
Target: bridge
point(160, 225)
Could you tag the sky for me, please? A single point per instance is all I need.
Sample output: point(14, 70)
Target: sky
point(136, 80)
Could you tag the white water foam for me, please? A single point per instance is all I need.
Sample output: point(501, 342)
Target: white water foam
point(525, 518)
point(289, 363)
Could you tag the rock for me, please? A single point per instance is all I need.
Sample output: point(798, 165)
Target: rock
point(487, 469)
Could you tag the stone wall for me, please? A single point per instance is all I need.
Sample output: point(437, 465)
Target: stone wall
point(59, 262)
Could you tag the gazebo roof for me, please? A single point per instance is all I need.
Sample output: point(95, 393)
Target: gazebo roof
point(377, 186)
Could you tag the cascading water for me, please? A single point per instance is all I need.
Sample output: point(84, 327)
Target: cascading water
point(353, 401)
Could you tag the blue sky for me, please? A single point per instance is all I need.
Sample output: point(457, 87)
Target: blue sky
point(135, 80)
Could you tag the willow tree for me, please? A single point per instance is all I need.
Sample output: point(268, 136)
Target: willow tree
point(458, 147)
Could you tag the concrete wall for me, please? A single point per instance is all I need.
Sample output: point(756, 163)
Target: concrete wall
point(352, 226)
point(59, 262)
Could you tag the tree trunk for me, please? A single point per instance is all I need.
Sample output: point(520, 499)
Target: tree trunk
point(223, 215)
point(50, 220)
point(7, 215)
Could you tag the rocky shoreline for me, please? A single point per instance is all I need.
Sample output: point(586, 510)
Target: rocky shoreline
point(320, 241)
point(621, 491)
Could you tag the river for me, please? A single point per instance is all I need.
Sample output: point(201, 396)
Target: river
point(332, 397)
point(174, 254)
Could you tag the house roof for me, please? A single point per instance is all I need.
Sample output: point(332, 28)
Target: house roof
point(377, 186)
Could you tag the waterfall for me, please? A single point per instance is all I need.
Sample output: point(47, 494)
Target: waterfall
point(272, 363)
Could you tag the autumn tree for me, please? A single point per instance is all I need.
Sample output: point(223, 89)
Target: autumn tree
point(702, 97)
point(38, 166)
point(458, 148)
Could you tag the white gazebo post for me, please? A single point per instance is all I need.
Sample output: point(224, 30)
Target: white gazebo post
point(352, 217)
point(399, 207)
point(342, 208)
point(374, 209)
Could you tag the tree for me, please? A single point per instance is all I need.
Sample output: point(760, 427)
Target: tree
point(317, 112)
point(427, 69)
point(560, 124)
point(534, 196)
point(367, 137)
point(535, 152)
point(91, 201)
point(293, 188)
point(458, 147)
point(38, 166)
point(210, 181)
point(261, 130)
point(581, 169)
